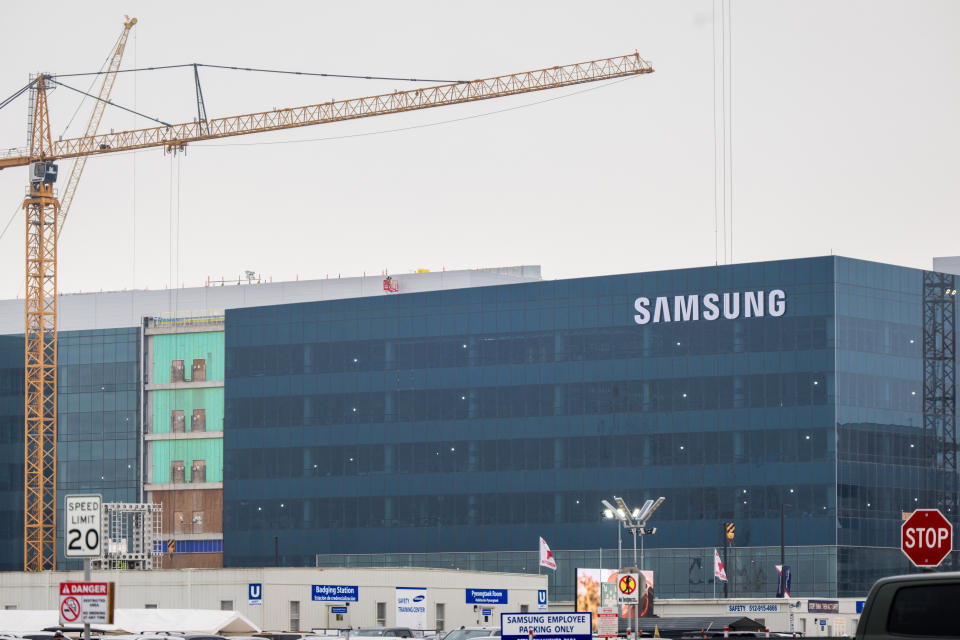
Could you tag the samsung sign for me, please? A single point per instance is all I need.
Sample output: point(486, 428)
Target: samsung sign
point(711, 306)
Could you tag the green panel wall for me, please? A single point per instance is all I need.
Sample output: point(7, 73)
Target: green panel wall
point(207, 449)
point(165, 401)
point(187, 347)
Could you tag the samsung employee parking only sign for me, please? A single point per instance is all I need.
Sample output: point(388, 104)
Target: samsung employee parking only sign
point(546, 626)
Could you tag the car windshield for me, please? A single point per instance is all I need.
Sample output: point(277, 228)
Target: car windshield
point(466, 634)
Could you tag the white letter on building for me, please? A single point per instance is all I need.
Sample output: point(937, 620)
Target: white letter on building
point(643, 314)
point(686, 308)
point(710, 309)
point(777, 303)
point(661, 312)
point(753, 304)
point(731, 312)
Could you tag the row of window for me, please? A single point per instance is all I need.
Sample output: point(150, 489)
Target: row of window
point(622, 396)
point(198, 471)
point(198, 420)
point(707, 503)
point(531, 454)
point(703, 338)
point(198, 371)
point(875, 443)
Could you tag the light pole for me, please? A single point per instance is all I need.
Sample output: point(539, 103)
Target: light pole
point(635, 520)
point(611, 512)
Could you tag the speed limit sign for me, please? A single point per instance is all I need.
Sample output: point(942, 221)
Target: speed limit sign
point(81, 520)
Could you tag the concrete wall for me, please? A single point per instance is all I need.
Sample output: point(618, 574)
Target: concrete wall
point(126, 308)
point(209, 588)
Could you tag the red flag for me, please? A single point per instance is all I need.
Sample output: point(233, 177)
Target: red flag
point(546, 556)
point(718, 570)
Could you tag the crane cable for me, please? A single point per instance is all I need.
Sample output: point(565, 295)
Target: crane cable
point(106, 61)
point(398, 129)
point(260, 70)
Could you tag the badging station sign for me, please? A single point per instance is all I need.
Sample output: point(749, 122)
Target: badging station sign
point(335, 593)
point(546, 626)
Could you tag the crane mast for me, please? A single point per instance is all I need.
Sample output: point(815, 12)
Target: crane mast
point(40, 350)
point(44, 217)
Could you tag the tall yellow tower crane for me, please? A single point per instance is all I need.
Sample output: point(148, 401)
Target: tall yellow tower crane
point(45, 218)
point(42, 209)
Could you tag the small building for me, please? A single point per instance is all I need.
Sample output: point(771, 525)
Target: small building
point(304, 599)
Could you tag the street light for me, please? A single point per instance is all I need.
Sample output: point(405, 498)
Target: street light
point(610, 513)
point(635, 520)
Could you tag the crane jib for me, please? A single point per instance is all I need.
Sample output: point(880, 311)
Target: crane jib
point(179, 135)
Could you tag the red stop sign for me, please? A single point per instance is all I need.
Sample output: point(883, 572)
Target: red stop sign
point(926, 537)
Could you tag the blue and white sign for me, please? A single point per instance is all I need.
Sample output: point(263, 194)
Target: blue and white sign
point(753, 608)
point(335, 593)
point(412, 607)
point(486, 612)
point(338, 609)
point(486, 596)
point(860, 604)
point(542, 599)
point(547, 626)
point(255, 594)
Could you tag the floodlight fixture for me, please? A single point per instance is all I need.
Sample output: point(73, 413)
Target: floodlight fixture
point(608, 514)
point(646, 513)
point(622, 505)
point(643, 510)
point(614, 512)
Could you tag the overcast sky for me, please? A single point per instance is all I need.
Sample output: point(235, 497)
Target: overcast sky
point(844, 138)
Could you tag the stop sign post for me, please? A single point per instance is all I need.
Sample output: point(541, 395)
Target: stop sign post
point(926, 537)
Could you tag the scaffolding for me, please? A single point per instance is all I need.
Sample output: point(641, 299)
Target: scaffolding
point(131, 536)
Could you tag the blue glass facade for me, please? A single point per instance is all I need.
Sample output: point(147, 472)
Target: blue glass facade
point(11, 453)
point(479, 419)
point(97, 425)
point(97, 432)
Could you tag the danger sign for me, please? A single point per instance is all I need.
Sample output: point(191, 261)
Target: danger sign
point(627, 588)
point(86, 602)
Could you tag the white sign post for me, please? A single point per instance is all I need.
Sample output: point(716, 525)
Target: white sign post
point(81, 524)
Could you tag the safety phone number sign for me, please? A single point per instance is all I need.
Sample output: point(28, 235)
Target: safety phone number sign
point(86, 603)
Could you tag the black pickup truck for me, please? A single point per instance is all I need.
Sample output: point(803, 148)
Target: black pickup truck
point(922, 606)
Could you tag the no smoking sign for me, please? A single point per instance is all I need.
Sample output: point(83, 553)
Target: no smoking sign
point(69, 609)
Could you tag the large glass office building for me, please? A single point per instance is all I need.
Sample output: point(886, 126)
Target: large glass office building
point(455, 422)
point(455, 428)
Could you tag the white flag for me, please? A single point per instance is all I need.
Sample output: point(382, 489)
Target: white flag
point(718, 570)
point(546, 556)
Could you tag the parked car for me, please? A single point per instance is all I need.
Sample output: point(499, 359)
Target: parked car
point(468, 633)
point(382, 632)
